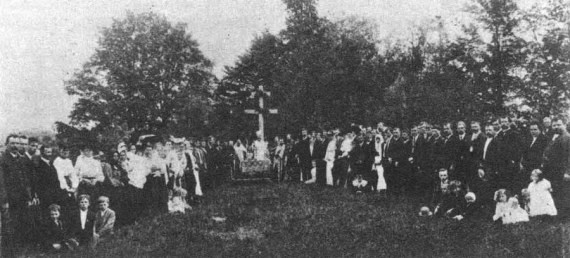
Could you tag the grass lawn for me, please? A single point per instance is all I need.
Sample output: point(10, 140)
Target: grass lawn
point(294, 220)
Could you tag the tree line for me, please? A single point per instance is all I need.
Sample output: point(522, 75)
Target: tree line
point(148, 75)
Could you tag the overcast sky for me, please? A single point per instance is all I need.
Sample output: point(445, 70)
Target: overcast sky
point(43, 42)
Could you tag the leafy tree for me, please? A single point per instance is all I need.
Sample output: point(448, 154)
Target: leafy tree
point(496, 68)
point(146, 73)
point(547, 81)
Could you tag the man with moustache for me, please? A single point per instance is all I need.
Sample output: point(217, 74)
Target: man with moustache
point(509, 153)
point(532, 153)
point(476, 144)
point(490, 162)
point(450, 149)
point(462, 153)
point(30, 163)
point(557, 166)
point(547, 127)
point(18, 193)
point(396, 155)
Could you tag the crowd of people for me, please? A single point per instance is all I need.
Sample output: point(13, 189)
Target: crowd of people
point(504, 170)
point(454, 171)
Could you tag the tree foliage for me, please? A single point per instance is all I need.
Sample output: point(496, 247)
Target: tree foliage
point(330, 73)
point(146, 73)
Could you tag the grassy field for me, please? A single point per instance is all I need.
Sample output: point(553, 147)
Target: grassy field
point(294, 220)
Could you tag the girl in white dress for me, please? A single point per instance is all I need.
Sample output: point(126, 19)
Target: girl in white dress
point(541, 202)
point(502, 207)
point(515, 214)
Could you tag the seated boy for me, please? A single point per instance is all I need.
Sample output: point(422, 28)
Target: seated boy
point(104, 220)
point(54, 232)
point(81, 226)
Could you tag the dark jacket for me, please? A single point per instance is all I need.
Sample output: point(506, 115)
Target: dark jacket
point(49, 190)
point(16, 182)
point(532, 155)
point(83, 236)
point(53, 233)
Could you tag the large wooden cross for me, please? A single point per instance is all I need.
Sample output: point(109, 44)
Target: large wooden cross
point(260, 93)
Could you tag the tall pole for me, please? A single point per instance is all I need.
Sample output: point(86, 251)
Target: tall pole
point(261, 128)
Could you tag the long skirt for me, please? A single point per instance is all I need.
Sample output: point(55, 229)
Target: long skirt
point(156, 194)
point(381, 185)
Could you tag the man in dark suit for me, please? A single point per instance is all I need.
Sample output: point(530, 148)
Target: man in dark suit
point(450, 149)
point(19, 198)
point(396, 156)
point(49, 191)
point(533, 150)
point(476, 143)
point(462, 153)
point(557, 166)
point(490, 161)
point(30, 162)
point(421, 180)
point(509, 153)
point(310, 154)
point(547, 128)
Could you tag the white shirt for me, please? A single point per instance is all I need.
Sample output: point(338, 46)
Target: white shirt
point(83, 215)
point(89, 168)
point(240, 152)
point(486, 146)
point(474, 136)
point(64, 168)
point(533, 140)
point(331, 151)
point(346, 146)
point(136, 171)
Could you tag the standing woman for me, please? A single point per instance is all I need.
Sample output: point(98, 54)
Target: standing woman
point(156, 191)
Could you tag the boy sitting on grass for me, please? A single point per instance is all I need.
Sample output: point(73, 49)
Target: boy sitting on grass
point(104, 221)
point(54, 232)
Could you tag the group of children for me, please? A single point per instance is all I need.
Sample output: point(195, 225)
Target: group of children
point(450, 200)
point(81, 227)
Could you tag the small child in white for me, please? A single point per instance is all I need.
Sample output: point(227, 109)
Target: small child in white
point(178, 201)
point(502, 207)
point(360, 185)
point(541, 202)
point(515, 214)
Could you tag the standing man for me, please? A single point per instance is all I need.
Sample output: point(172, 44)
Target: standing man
point(557, 166)
point(462, 148)
point(396, 155)
point(547, 126)
point(450, 149)
point(476, 144)
point(509, 153)
point(19, 197)
point(490, 161)
point(49, 190)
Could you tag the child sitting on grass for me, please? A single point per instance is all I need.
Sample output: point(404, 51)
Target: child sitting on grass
point(515, 213)
point(502, 207)
point(359, 184)
point(482, 188)
point(457, 198)
point(104, 221)
point(444, 202)
point(541, 202)
point(55, 237)
point(469, 209)
point(177, 203)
